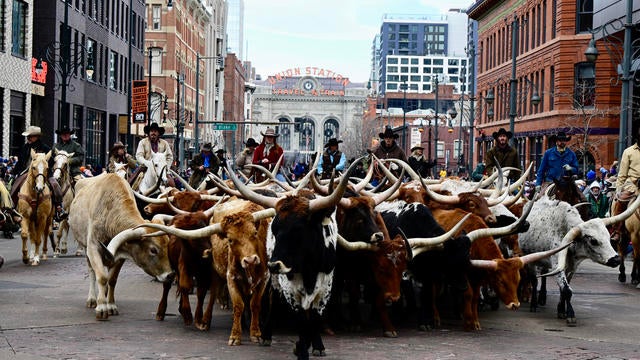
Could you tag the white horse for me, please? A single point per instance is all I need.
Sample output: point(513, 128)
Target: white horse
point(156, 175)
point(62, 174)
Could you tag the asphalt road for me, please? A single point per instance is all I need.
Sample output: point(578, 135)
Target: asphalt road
point(43, 316)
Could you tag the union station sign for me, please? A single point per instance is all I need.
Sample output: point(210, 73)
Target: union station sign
point(308, 83)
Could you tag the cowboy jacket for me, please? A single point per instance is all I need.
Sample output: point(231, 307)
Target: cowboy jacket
point(329, 161)
point(78, 155)
point(629, 167)
point(144, 150)
point(506, 157)
point(551, 166)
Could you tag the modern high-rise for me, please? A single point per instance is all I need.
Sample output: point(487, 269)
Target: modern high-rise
point(235, 28)
point(414, 49)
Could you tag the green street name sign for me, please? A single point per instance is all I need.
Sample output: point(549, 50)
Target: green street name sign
point(225, 126)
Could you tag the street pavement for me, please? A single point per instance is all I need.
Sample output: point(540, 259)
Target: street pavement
point(43, 316)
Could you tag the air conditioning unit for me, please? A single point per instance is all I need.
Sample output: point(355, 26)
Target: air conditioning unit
point(220, 62)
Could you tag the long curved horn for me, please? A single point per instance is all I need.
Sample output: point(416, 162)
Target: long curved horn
point(124, 236)
point(380, 197)
point(562, 257)
point(175, 209)
point(407, 246)
point(184, 182)
point(251, 195)
point(488, 181)
point(434, 241)
point(355, 245)
point(363, 184)
point(305, 180)
point(205, 231)
point(151, 200)
point(537, 256)
point(209, 212)
point(501, 231)
point(387, 172)
point(581, 204)
point(549, 189)
point(484, 264)
point(271, 176)
point(512, 200)
point(500, 199)
point(331, 200)
point(521, 179)
point(163, 217)
point(623, 215)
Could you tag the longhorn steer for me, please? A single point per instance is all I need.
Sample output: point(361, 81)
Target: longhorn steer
point(555, 222)
point(380, 266)
point(104, 212)
point(301, 245)
point(190, 258)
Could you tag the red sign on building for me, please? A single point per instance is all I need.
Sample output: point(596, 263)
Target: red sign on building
point(139, 97)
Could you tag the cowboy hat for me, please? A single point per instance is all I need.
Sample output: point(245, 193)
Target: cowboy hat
point(205, 147)
point(251, 142)
point(502, 131)
point(65, 130)
point(562, 137)
point(417, 147)
point(154, 126)
point(332, 142)
point(269, 132)
point(32, 131)
point(118, 145)
point(388, 133)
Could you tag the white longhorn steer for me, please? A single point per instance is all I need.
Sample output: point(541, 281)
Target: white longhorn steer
point(104, 212)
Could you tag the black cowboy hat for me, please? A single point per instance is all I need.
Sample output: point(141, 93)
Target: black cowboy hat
point(206, 147)
point(502, 131)
point(251, 142)
point(388, 133)
point(65, 130)
point(562, 136)
point(417, 147)
point(332, 142)
point(154, 126)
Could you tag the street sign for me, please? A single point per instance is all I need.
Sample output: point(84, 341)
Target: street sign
point(225, 126)
point(139, 97)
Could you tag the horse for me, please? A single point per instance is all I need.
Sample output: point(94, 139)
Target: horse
point(565, 189)
point(62, 174)
point(36, 208)
point(156, 174)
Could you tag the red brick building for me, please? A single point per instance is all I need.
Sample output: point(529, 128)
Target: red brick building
point(551, 39)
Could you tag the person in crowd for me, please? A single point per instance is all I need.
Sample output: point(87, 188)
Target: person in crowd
point(389, 149)
point(556, 162)
point(202, 164)
point(245, 157)
point(626, 183)
point(332, 159)
point(591, 176)
point(67, 144)
point(478, 173)
point(118, 154)
point(267, 153)
point(614, 168)
point(418, 162)
point(502, 154)
point(443, 173)
point(597, 199)
point(152, 144)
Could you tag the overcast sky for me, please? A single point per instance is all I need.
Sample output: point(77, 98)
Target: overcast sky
point(336, 35)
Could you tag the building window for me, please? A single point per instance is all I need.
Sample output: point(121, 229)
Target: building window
point(19, 28)
point(584, 86)
point(285, 131)
point(3, 24)
point(156, 61)
point(156, 11)
point(307, 134)
point(331, 130)
point(584, 16)
point(113, 70)
point(95, 137)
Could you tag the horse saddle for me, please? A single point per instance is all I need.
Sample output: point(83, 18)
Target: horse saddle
point(625, 196)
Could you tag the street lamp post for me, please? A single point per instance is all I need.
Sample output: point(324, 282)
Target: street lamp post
point(404, 115)
point(150, 52)
point(472, 99)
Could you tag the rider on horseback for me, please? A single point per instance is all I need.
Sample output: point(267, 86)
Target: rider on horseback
point(67, 144)
point(626, 184)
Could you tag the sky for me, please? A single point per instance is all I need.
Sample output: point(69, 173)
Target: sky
point(335, 35)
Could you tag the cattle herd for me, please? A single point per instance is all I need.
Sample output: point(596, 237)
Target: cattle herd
point(302, 247)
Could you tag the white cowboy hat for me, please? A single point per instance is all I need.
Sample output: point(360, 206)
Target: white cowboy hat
point(32, 131)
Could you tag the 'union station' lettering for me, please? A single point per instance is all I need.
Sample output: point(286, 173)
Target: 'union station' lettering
point(309, 71)
point(312, 92)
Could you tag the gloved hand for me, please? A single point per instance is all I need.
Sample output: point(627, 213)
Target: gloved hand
point(394, 166)
point(538, 187)
point(567, 167)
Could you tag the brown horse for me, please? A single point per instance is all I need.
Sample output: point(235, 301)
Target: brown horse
point(36, 208)
point(565, 189)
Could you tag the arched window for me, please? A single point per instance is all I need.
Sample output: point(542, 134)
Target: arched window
point(285, 133)
point(330, 130)
point(307, 135)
